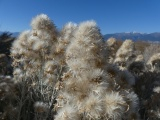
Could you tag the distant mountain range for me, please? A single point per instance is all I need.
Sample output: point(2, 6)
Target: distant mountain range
point(14, 34)
point(124, 35)
point(135, 36)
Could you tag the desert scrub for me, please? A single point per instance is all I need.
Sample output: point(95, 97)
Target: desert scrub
point(8, 98)
point(137, 67)
point(3, 64)
point(150, 50)
point(88, 91)
point(147, 89)
point(154, 62)
point(38, 64)
point(112, 47)
point(66, 75)
point(125, 54)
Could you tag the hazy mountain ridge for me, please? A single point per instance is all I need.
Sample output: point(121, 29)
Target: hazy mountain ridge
point(121, 36)
point(14, 34)
point(135, 36)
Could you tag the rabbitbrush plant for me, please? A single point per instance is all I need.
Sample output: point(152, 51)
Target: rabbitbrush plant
point(66, 75)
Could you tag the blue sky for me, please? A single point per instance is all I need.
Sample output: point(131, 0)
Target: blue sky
point(112, 16)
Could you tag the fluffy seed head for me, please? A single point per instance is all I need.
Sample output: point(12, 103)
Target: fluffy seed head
point(111, 41)
point(86, 48)
point(67, 113)
point(126, 48)
point(93, 107)
point(114, 105)
point(157, 89)
point(153, 58)
point(21, 41)
point(154, 62)
point(42, 21)
point(139, 58)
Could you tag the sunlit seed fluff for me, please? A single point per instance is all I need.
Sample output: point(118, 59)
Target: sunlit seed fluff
point(8, 77)
point(41, 107)
point(78, 87)
point(119, 60)
point(20, 42)
point(128, 44)
point(126, 48)
point(89, 32)
point(39, 45)
point(111, 42)
point(87, 85)
point(85, 82)
point(50, 67)
point(87, 25)
point(114, 105)
point(156, 89)
point(66, 36)
point(99, 89)
point(93, 75)
point(139, 58)
point(92, 107)
point(125, 52)
point(77, 65)
point(67, 31)
point(18, 73)
point(41, 21)
point(153, 58)
point(64, 98)
point(43, 34)
point(67, 113)
point(86, 35)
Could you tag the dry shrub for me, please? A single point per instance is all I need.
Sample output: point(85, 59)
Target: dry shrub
point(65, 75)
point(8, 98)
point(3, 64)
point(144, 87)
point(89, 91)
point(125, 55)
point(152, 49)
point(141, 46)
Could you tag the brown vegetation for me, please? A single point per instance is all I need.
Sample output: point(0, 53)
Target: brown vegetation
point(73, 74)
